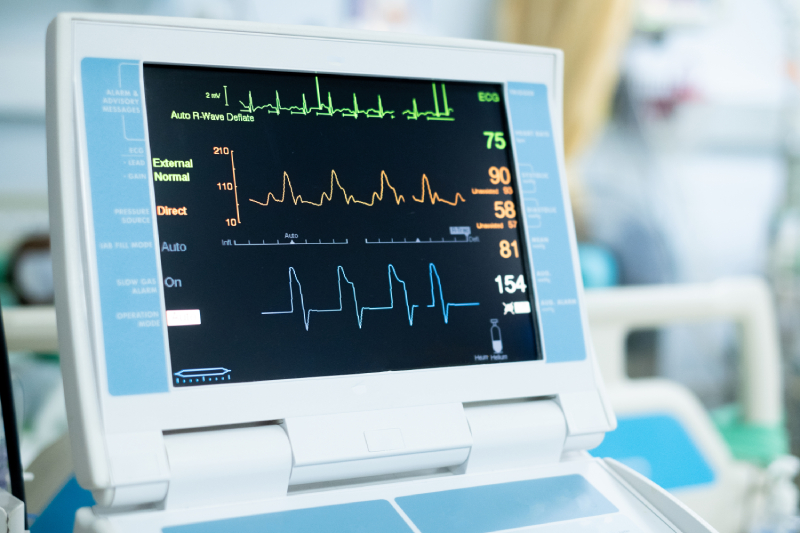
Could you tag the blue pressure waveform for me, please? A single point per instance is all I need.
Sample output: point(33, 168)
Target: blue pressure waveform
point(360, 310)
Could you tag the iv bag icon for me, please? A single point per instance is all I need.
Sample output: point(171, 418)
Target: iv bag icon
point(497, 338)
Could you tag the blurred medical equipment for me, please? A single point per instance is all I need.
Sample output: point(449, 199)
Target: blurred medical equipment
point(31, 329)
point(12, 506)
point(735, 474)
point(592, 36)
point(39, 397)
point(30, 271)
point(31, 337)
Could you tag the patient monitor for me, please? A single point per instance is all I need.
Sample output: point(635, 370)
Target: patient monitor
point(323, 280)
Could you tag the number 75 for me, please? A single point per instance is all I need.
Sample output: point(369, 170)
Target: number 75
point(497, 137)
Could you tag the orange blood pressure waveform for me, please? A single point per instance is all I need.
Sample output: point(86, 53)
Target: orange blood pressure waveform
point(426, 194)
point(378, 196)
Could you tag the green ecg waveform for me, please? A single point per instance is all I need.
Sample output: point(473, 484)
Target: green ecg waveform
point(414, 113)
point(328, 110)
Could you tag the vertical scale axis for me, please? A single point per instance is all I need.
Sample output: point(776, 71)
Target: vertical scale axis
point(235, 191)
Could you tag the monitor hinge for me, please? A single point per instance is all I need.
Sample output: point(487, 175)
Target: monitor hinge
point(227, 465)
point(195, 468)
point(514, 434)
point(466, 439)
point(372, 443)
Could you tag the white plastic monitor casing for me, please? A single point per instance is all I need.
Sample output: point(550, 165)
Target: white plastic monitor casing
point(95, 416)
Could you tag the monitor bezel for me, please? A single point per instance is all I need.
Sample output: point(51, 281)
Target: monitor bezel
point(202, 43)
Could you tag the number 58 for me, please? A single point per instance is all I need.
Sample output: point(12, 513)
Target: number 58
point(505, 209)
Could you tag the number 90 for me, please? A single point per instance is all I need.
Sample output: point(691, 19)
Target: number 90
point(499, 175)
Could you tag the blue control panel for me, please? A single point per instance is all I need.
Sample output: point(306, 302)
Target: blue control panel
point(483, 509)
point(548, 232)
point(359, 517)
point(124, 227)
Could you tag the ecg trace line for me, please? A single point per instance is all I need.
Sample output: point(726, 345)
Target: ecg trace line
point(327, 110)
point(320, 109)
point(392, 273)
point(349, 198)
point(414, 113)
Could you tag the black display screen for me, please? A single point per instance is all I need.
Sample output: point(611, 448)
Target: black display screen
point(318, 225)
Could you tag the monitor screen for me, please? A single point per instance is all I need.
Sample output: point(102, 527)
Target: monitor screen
point(315, 225)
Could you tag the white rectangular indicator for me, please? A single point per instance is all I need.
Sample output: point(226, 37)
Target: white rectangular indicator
point(184, 317)
point(520, 308)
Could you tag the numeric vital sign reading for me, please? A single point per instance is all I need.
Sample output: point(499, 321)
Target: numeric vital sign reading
point(314, 225)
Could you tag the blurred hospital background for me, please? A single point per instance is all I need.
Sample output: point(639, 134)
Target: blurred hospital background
point(682, 140)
